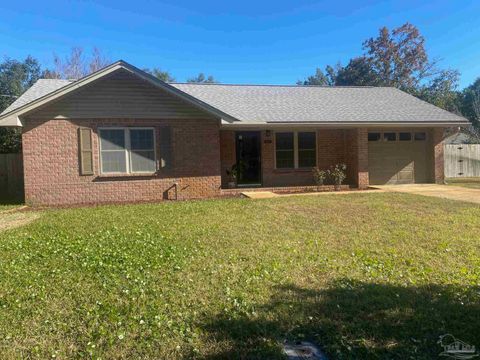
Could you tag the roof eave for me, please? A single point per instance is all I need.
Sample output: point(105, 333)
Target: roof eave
point(11, 121)
point(345, 124)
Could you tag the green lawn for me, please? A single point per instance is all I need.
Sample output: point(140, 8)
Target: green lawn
point(364, 275)
point(473, 183)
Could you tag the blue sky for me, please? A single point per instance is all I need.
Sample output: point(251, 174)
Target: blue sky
point(271, 42)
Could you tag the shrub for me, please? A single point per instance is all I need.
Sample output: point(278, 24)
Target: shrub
point(319, 176)
point(338, 173)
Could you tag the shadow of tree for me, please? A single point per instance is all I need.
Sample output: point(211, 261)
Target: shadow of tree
point(351, 320)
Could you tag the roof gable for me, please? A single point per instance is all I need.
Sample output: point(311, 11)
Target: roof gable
point(121, 94)
point(12, 117)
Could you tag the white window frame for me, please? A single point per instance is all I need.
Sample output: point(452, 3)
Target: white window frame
point(397, 139)
point(128, 150)
point(295, 148)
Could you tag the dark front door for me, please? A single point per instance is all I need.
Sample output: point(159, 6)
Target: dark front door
point(248, 149)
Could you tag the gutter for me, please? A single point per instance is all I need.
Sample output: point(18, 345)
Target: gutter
point(341, 124)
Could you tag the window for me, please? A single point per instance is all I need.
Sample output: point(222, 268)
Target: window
point(112, 143)
point(142, 150)
point(284, 150)
point(374, 136)
point(295, 150)
point(420, 136)
point(405, 136)
point(307, 152)
point(127, 150)
point(389, 136)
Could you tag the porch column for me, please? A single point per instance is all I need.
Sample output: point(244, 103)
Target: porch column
point(438, 161)
point(362, 158)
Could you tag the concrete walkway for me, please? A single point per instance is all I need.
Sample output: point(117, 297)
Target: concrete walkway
point(440, 191)
point(270, 194)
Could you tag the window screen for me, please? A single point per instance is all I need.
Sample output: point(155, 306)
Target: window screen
point(307, 153)
point(127, 150)
point(112, 144)
point(284, 150)
point(142, 152)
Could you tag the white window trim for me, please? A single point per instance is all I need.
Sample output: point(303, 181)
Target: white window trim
point(295, 148)
point(397, 139)
point(128, 152)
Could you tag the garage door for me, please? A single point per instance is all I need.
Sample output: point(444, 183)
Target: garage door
point(397, 157)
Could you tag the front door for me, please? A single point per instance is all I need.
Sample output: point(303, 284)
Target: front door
point(248, 149)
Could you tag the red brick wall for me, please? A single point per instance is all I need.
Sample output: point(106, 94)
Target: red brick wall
point(51, 162)
point(357, 157)
point(362, 158)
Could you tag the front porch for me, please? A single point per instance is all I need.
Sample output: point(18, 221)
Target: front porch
point(282, 158)
point(287, 166)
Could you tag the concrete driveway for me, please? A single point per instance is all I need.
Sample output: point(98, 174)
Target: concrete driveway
point(441, 191)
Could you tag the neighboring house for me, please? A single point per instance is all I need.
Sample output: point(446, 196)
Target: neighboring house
point(122, 135)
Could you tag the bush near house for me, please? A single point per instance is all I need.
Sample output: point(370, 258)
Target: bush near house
point(364, 275)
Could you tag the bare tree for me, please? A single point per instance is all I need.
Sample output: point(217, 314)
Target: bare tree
point(76, 65)
point(98, 61)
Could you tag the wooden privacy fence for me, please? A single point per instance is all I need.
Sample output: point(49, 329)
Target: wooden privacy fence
point(462, 160)
point(11, 175)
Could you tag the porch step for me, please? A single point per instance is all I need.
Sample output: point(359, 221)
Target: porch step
point(259, 194)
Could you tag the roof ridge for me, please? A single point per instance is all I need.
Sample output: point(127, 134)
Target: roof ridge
point(280, 85)
point(70, 80)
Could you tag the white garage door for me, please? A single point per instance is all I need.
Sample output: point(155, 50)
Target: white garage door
point(397, 157)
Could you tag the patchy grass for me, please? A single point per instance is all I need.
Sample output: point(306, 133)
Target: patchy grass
point(473, 183)
point(10, 220)
point(364, 275)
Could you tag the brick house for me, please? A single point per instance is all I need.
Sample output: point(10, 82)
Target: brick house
point(122, 135)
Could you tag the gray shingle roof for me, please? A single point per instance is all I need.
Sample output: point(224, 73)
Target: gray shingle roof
point(297, 104)
point(40, 88)
point(304, 104)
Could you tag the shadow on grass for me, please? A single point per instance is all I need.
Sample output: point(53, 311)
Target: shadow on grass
point(352, 320)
